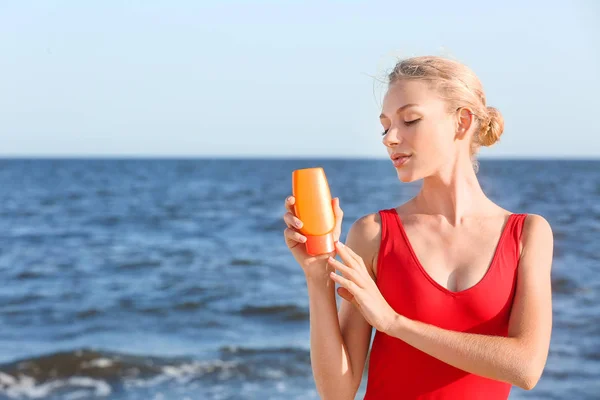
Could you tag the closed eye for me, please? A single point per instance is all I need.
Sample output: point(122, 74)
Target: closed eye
point(407, 123)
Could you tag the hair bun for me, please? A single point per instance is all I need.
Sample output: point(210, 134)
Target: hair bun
point(490, 133)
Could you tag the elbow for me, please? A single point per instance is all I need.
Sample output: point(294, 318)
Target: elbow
point(530, 375)
point(528, 382)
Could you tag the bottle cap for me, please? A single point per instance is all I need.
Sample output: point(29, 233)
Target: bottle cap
point(316, 245)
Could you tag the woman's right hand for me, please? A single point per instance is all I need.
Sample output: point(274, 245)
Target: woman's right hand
point(313, 266)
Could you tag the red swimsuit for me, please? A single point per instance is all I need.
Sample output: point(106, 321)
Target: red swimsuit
point(400, 371)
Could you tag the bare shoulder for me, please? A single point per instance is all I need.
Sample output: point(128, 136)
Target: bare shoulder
point(537, 237)
point(536, 229)
point(364, 238)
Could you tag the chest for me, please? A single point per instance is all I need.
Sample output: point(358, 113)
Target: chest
point(457, 261)
point(454, 258)
point(462, 280)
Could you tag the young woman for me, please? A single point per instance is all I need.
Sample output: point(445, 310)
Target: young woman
point(457, 288)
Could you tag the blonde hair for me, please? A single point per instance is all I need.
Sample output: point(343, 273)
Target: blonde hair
point(459, 86)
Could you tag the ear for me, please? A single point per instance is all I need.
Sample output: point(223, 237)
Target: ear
point(465, 119)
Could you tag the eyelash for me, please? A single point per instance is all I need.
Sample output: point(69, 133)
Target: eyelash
point(407, 123)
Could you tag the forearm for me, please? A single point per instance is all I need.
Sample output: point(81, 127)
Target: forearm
point(328, 353)
point(496, 357)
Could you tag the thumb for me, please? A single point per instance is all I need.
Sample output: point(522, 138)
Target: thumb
point(339, 216)
point(335, 202)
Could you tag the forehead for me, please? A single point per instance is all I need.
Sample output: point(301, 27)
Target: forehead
point(409, 92)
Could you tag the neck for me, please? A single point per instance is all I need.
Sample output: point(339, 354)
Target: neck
point(453, 192)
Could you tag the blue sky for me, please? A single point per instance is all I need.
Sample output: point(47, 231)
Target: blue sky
point(282, 78)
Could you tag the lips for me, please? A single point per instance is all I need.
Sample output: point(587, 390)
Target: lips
point(395, 156)
point(400, 159)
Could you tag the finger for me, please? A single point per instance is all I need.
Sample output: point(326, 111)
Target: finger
point(346, 295)
point(346, 283)
point(343, 293)
point(336, 207)
point(289, 204)
point(292, 221)
point(348, 272)
point(347, 254)
point(294, 236)
point(339, 216)
point(341, 251)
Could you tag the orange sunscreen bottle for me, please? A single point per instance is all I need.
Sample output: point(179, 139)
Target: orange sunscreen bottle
point(313, 207)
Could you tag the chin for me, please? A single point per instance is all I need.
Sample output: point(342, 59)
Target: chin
point(406, 177)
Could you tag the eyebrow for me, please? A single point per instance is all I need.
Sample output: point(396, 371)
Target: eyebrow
point(399, 110)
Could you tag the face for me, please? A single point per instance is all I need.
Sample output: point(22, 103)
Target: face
point(416, 122)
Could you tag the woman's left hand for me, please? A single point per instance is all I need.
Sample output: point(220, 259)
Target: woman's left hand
point(360, 289)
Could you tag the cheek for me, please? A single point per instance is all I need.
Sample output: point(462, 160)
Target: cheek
point(432, 140)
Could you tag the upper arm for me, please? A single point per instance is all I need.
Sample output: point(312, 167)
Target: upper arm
point(531, 315)
point(363, 238)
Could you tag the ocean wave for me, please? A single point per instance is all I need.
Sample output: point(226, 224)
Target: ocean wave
point(86, 373)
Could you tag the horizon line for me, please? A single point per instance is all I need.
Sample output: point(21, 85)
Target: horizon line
point(264, 157)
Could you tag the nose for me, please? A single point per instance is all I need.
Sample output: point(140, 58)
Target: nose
point(391, 138)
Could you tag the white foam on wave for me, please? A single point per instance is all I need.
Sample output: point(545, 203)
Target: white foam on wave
point(24, 386)
point(98, 363)
point(186, 372)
